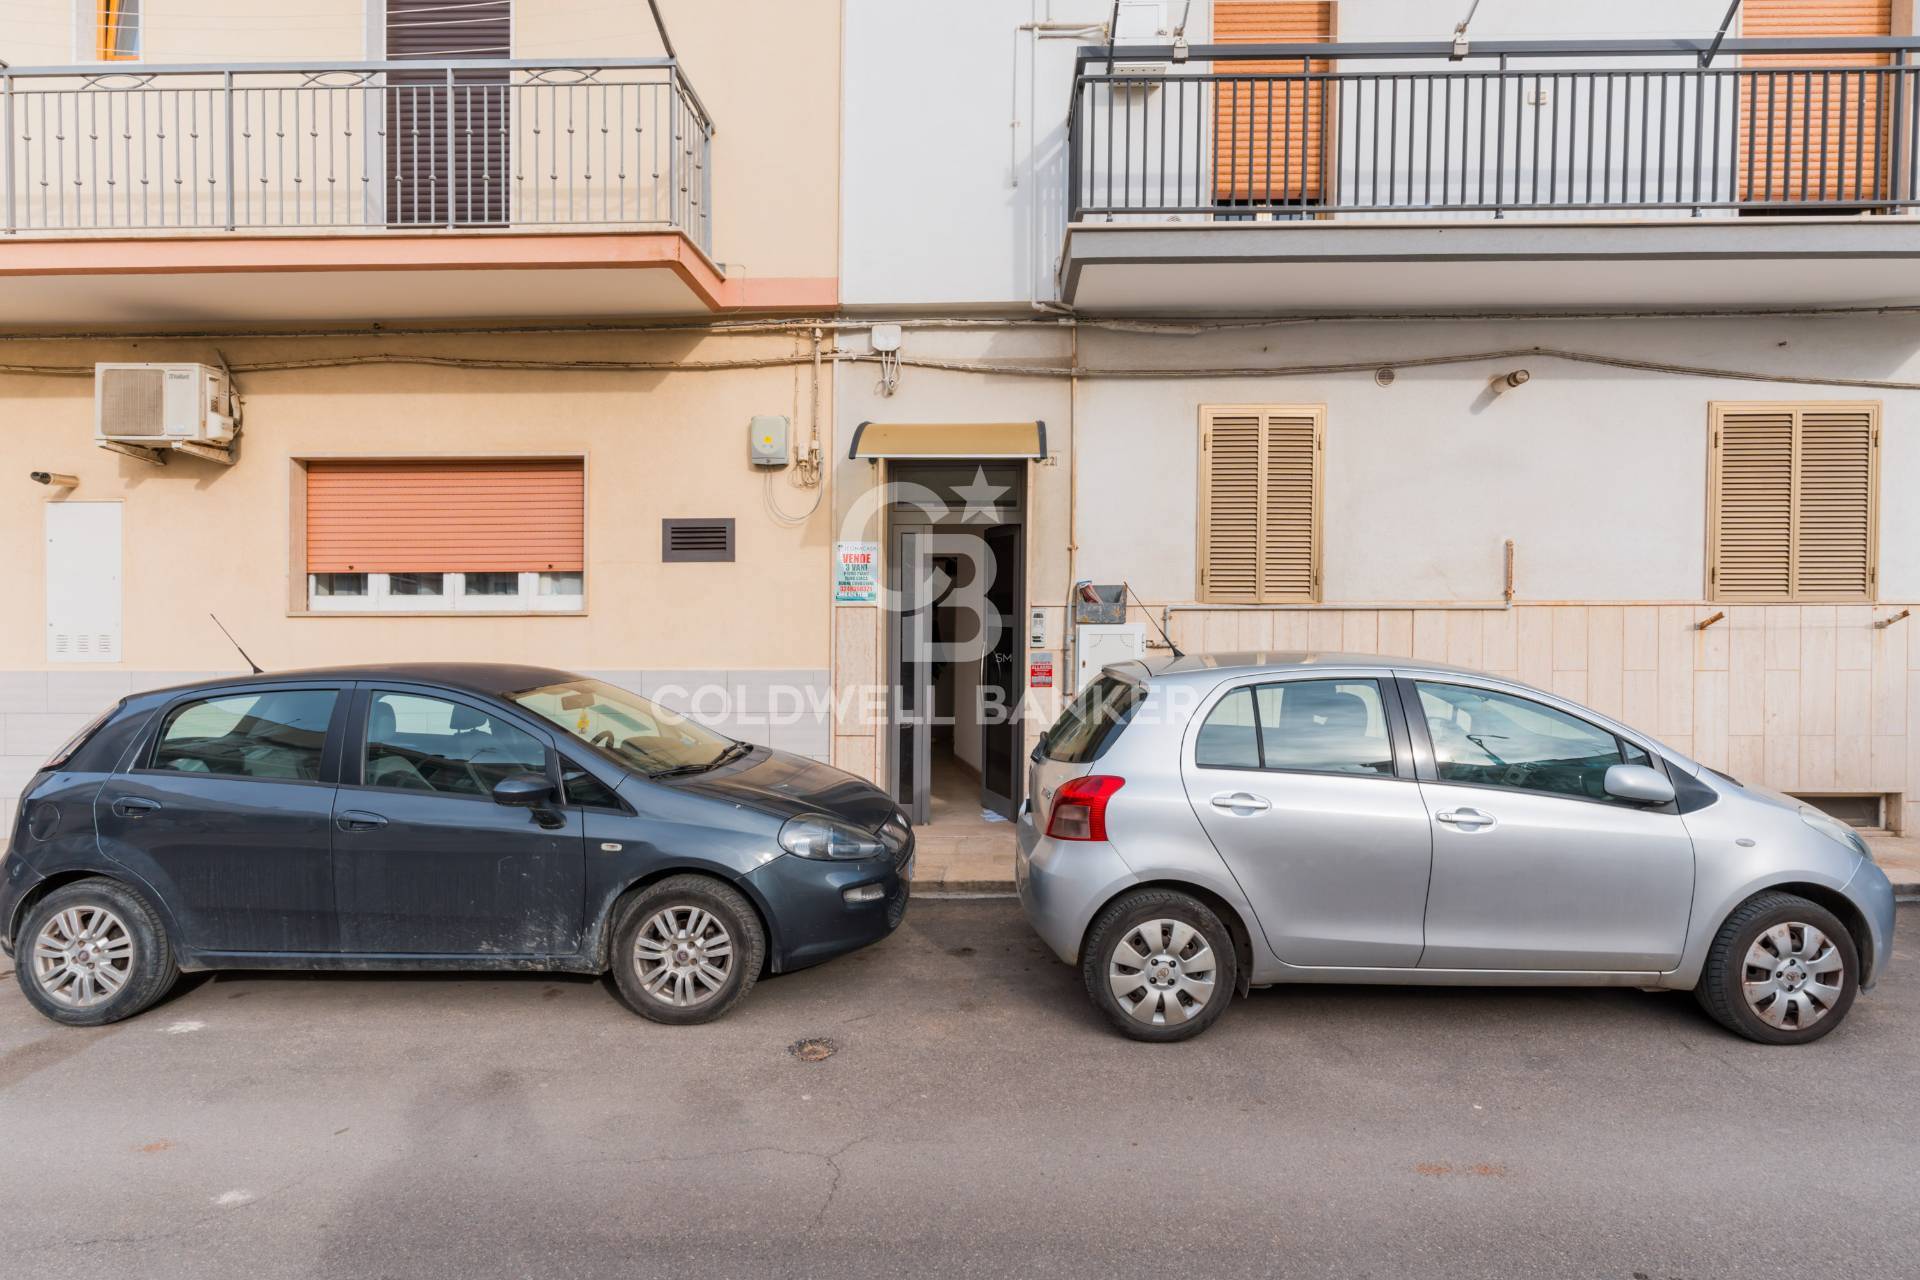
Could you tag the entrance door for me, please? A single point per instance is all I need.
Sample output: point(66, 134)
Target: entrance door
point(1000, 729)
point(913, 709)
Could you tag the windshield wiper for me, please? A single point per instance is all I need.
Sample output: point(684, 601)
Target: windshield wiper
point(732, 752)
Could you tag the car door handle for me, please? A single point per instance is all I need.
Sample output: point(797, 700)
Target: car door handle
point(1239, 801)
point(358, 820)
point(1465, 819)
point(134, 806)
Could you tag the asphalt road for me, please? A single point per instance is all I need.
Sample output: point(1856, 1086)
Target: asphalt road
point(975, 1119)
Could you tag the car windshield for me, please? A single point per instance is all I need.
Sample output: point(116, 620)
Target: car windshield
point(637, 733)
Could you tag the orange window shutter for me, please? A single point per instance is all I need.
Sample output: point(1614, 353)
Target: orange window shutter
point(1269, 137)
point(1813, 126)
point(480, 516)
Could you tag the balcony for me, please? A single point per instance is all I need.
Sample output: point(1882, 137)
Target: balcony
point(1532, 175)
point(323, 192)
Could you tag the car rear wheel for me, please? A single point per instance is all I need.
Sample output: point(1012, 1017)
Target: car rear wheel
point(93, 952)
point(1160, 964)
point(1782, 970)
point(687, 950)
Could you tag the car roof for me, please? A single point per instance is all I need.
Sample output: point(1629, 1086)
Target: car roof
point(1209, 666)
point(490, 678)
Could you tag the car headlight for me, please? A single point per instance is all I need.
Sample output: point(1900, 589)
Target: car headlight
point(815, 835)
point(1835, 830)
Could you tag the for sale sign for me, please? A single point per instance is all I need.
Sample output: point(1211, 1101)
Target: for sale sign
point(856, 573)
point(1040, 671)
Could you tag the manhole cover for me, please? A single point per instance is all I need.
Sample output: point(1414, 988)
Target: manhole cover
point(818, 1050)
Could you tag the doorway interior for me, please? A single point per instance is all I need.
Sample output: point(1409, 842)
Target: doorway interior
point(956, 570)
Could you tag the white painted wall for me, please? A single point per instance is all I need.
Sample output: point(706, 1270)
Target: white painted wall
point(1597, 473)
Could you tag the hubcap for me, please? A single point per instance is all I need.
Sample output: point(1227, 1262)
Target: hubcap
point(82, 957)
point(1162, 972)
point(683, 956)
point(1794, 976)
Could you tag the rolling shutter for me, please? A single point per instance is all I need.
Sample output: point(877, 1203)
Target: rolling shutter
point(1260, 503)
point(1812, 134)
point(1269, 135)
point(505, 515)
point(448, 145)
point(1793, 500)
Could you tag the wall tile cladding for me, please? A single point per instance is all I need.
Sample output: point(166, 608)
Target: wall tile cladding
point(1801, 698)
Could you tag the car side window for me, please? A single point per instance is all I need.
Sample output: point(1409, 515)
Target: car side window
point(1495, 739)
point(1304, 726)
point(276, 733)
point(1230, 738)
point(417, 743)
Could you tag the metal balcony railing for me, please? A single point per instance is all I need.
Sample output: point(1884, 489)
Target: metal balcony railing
point(360, 146)
point(1535, 128)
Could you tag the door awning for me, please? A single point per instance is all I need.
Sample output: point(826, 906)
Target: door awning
point(967, 440)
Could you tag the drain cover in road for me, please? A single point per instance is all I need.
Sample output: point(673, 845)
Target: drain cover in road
point(815, 1050)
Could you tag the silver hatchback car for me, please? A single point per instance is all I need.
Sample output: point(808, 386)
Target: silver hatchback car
point(1201, 825)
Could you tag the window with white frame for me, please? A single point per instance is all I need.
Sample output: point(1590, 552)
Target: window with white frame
point(445, 535)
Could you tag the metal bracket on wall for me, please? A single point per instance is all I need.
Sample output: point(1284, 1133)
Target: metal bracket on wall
point(205, 452)
point(156, 457)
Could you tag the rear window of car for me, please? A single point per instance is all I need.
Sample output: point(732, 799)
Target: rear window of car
point(1092, 721)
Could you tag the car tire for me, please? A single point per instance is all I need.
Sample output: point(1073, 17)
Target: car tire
point(1160, 964)
point(667, 959)
point(1770, 972)
point(114, 958)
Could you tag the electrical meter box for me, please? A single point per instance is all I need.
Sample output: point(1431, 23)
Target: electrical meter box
point(767, 441)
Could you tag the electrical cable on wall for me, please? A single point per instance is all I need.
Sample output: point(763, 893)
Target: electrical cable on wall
point(1368, 365)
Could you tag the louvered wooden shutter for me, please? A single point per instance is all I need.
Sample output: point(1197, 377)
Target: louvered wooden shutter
point(1807, 135)
point(492, 515)
point(1269, 135)
point(1260, 503)
point(1794, 489)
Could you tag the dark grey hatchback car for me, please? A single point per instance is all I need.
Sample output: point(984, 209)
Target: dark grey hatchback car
point(448, 816)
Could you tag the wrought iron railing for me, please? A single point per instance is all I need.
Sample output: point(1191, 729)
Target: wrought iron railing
point(1534, 128)
point(370, 145)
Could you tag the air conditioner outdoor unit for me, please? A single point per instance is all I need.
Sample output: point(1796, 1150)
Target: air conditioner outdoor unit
point(160, 405)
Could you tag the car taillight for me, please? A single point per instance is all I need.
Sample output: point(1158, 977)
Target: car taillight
point(1080, 808)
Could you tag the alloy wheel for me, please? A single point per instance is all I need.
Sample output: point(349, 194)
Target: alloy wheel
point(82, 957)
point(683, 955)
point(1162, 972)
point(1794, 975)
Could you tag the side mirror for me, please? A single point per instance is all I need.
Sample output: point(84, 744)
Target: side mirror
point(523, 790)
point(1638, 784)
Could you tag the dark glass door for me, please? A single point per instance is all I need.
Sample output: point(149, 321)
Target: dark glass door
point(913, 706)
point(1000, 683)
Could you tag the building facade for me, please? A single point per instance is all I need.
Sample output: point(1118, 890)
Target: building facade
point(497, 331)
point(1576, 348)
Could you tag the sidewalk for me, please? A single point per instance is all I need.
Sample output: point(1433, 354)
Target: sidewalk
point(980, 860)
point(1899, 857)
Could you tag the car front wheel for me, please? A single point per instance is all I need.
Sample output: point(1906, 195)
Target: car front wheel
point(687, 950)
point(1160, 964)
point(1782, 970)
point(93, 952)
